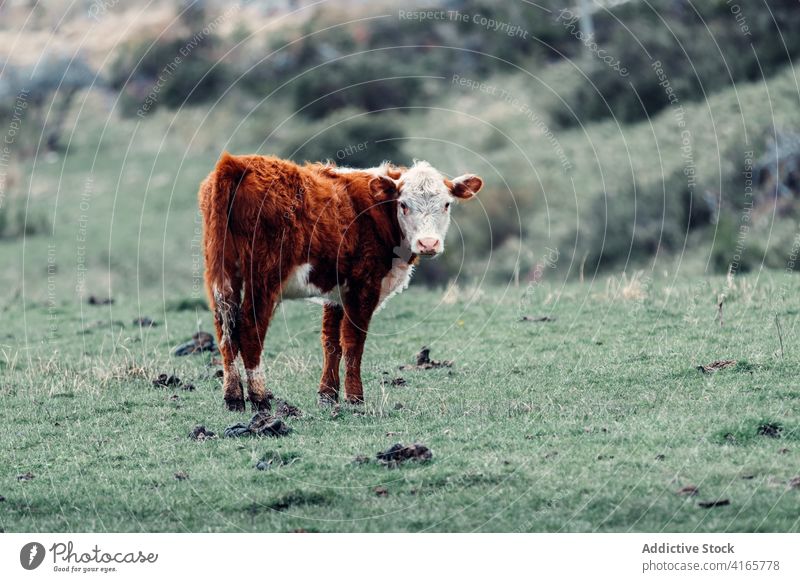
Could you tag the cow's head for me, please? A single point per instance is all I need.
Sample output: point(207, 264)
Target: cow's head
point(424, 198)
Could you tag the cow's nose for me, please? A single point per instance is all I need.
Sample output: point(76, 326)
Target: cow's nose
point(428, 246)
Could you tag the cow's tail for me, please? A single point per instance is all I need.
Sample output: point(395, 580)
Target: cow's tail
point(223, 183)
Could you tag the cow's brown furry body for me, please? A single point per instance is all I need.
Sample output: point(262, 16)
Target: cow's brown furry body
point(265, 217)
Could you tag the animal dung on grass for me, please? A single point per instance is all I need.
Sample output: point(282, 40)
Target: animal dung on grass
point(95, 300)
point(716, 366)
point(399, 453)
point(714, 503)
point(424, 362)
point(201, 433)
point(144, 322)
point(537, 318)
point(181, 475)
point(201, 341)
point(170, 381)
point(770, 429)
point(27, 476)
point(262, 424)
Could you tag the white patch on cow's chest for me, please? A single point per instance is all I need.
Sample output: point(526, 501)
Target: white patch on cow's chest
point(396, 281)
point(297, 286)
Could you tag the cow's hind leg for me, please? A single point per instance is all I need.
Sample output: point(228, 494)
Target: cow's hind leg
point(226, 321)
point(257, 309)
point(332, 353)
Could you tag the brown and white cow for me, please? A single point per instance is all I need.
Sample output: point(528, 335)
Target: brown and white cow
point(274, 229)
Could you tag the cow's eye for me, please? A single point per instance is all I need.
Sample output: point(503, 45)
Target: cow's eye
point(404, 207)
point(447, 207)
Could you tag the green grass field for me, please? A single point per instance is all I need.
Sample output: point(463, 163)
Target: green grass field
point(590, 422)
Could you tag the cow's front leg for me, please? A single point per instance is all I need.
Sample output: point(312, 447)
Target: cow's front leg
point(359, 304)
point(332, 315)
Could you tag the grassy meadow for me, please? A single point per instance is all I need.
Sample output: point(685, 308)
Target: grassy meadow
point(594, 419)
point(590, 422)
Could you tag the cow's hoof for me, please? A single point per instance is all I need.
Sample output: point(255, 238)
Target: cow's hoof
point(327, 399)
point(355, 400)
point(235, 404)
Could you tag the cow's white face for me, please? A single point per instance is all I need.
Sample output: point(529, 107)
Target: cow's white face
point(424, 198)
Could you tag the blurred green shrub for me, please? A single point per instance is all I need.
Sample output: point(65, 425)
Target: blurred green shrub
point(701, 47)
point(635, 223)
point(17, 221)
point(348, 139)
point(169, 73)
point(344, 66)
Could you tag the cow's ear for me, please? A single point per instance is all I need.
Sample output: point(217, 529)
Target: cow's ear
point(466, 186)
point(383, 187)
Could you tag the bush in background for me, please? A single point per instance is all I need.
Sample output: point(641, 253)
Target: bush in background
point(349, 139)
point(701, 47)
